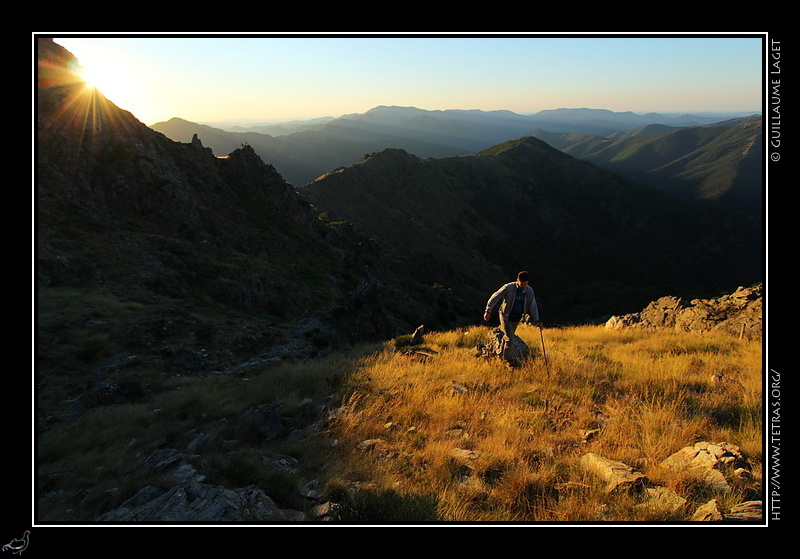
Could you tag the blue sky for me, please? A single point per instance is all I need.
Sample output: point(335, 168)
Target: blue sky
point(264, 78)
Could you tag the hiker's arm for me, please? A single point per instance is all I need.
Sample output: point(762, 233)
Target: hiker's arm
point(533, 311)
point(493, 300)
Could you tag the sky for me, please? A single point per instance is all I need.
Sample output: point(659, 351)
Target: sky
point(260, 78)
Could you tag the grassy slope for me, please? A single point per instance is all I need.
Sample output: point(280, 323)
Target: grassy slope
point(654, 392)
point(526, 427)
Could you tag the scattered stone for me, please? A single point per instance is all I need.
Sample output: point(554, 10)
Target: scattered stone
point(707, 513)
point(588, 434)
point(661, 499)
point(705, 460)
point(144, 495)
point(465, 456)
point(170, 463)
point(456, 388)
point(617, 475)
point(747, 511)
point(743, 512)
point(324, 511)
point(368, 444)
point(200, 440)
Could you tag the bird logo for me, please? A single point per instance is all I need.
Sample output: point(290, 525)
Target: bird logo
point(18, 545)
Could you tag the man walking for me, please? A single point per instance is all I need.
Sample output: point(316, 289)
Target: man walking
point(516, 301)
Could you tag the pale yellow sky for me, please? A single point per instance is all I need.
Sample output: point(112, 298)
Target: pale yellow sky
point(220, 78)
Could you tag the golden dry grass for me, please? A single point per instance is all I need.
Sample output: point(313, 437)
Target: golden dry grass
point(492, 443)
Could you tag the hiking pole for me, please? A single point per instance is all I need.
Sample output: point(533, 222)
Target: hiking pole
point(544, 353)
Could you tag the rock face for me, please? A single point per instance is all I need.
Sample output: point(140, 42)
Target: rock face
point(197, 502)
point(739, 313)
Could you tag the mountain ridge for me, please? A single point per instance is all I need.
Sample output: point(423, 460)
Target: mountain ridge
point(307, 154)
point(590, 236)
point(719, 162)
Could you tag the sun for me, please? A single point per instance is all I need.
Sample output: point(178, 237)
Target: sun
point(91, 80)
point(110, 81)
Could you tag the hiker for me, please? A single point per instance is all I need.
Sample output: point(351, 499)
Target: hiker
point(517, 301)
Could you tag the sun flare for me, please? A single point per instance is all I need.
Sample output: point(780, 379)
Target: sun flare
point(114, 81)
point(109, 81)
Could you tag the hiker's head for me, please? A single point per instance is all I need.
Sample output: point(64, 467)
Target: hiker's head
point(523, 278)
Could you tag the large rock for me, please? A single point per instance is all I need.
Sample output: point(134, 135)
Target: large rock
point(617, 476)
point(708, 512)
point(747, 511)
point(495, 347)
point(709, 462)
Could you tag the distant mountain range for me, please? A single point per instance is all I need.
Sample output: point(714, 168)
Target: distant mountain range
point(694, 157)
point(563, 120)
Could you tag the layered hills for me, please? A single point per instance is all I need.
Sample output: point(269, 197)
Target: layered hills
point(592, 239)
point(714, 159)
point(719, 163)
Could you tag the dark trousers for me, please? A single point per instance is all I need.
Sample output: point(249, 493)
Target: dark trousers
point(509, 329)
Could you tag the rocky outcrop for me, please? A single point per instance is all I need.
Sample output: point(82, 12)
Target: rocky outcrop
point(715, 466)
point(739, 313)
point(197, 502)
